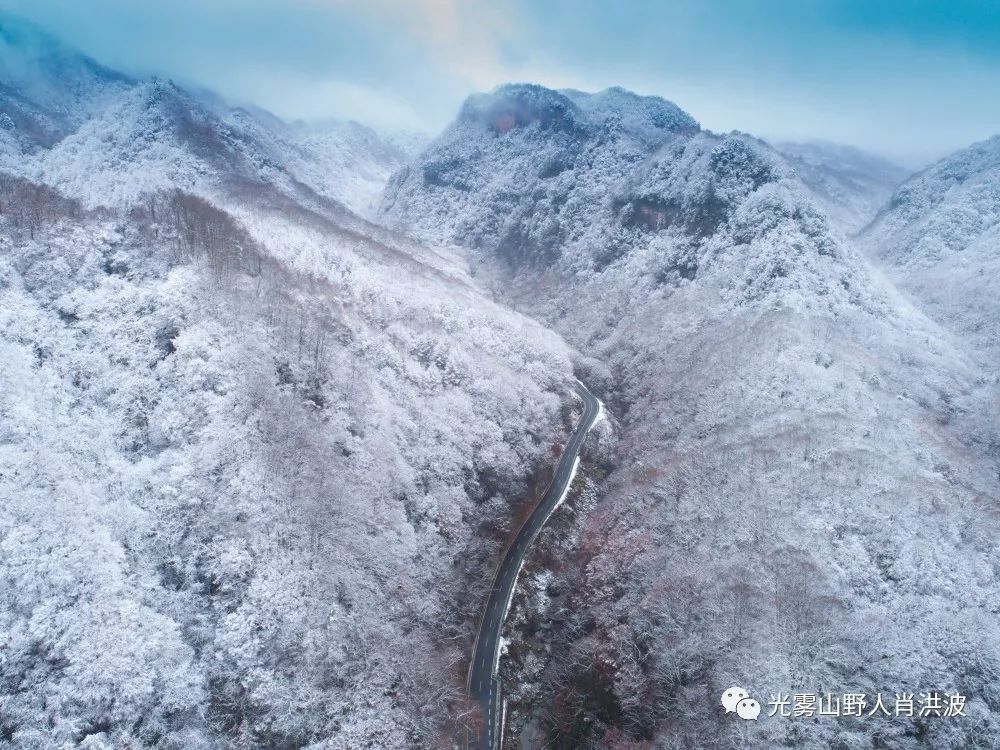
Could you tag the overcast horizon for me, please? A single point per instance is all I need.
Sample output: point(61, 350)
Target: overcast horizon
point(905, 83)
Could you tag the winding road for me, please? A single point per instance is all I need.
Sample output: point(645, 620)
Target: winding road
point(483, 682)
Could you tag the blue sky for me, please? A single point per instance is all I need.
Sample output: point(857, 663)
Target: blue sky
point(912, 79)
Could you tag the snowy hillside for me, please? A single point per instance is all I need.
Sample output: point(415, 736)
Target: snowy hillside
point(106, 139)
point(938, 237)
point(257, 455)
point(850, 184)
point(801, 498)
point(47, 89)
point(345, 161)
point(275, 395)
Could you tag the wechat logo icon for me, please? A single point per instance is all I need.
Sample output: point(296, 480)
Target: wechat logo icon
point(738, 700)
point(732, 697)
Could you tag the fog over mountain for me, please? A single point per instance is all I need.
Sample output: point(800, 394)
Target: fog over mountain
point(938, 239)
point(275, 397)
point(849, 184)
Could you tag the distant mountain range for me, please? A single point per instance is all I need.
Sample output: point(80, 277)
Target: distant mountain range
point(938, 238)
point(103, 137)
point(851, 185)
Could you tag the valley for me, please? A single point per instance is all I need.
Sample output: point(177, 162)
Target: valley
point(295, 450)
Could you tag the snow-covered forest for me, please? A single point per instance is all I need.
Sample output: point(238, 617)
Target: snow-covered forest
point(256, 455)
point(804, 493)
point(275, 395)
point(937, 238)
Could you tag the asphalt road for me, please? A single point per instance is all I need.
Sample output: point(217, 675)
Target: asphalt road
point(483, 683)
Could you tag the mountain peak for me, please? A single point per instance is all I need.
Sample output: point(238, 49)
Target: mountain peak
point(518, 105)
point(637, 111)
point(589, 177)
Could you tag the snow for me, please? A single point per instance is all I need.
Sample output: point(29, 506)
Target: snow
point(258, 454)
point(767, 474)
point(937, 240)
point(562, 497)
point(252, 447)
point(851, 185)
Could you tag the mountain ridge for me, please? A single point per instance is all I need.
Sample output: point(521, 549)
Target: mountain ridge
point(937, 236)
point(191, 138)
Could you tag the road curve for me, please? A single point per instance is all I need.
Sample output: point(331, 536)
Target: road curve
point(483, 683)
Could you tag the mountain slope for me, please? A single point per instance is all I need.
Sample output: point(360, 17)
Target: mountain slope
point(344, 161)
point(46, 88)
point(937, 238)
point(850, 184)
point(256, 454)
point(105, 138)
point(801, 496)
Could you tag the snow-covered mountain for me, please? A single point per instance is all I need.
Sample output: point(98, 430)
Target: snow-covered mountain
point(850, 184)
point(938, 238)
point(261, 445)
point(257, 455)
point(802, 498)
point(106, 139)
point(46, 88)
point(342, 160)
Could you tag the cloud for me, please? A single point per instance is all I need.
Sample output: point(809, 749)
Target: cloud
point(876, 75)
point(293, 95)
point(463, 38)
